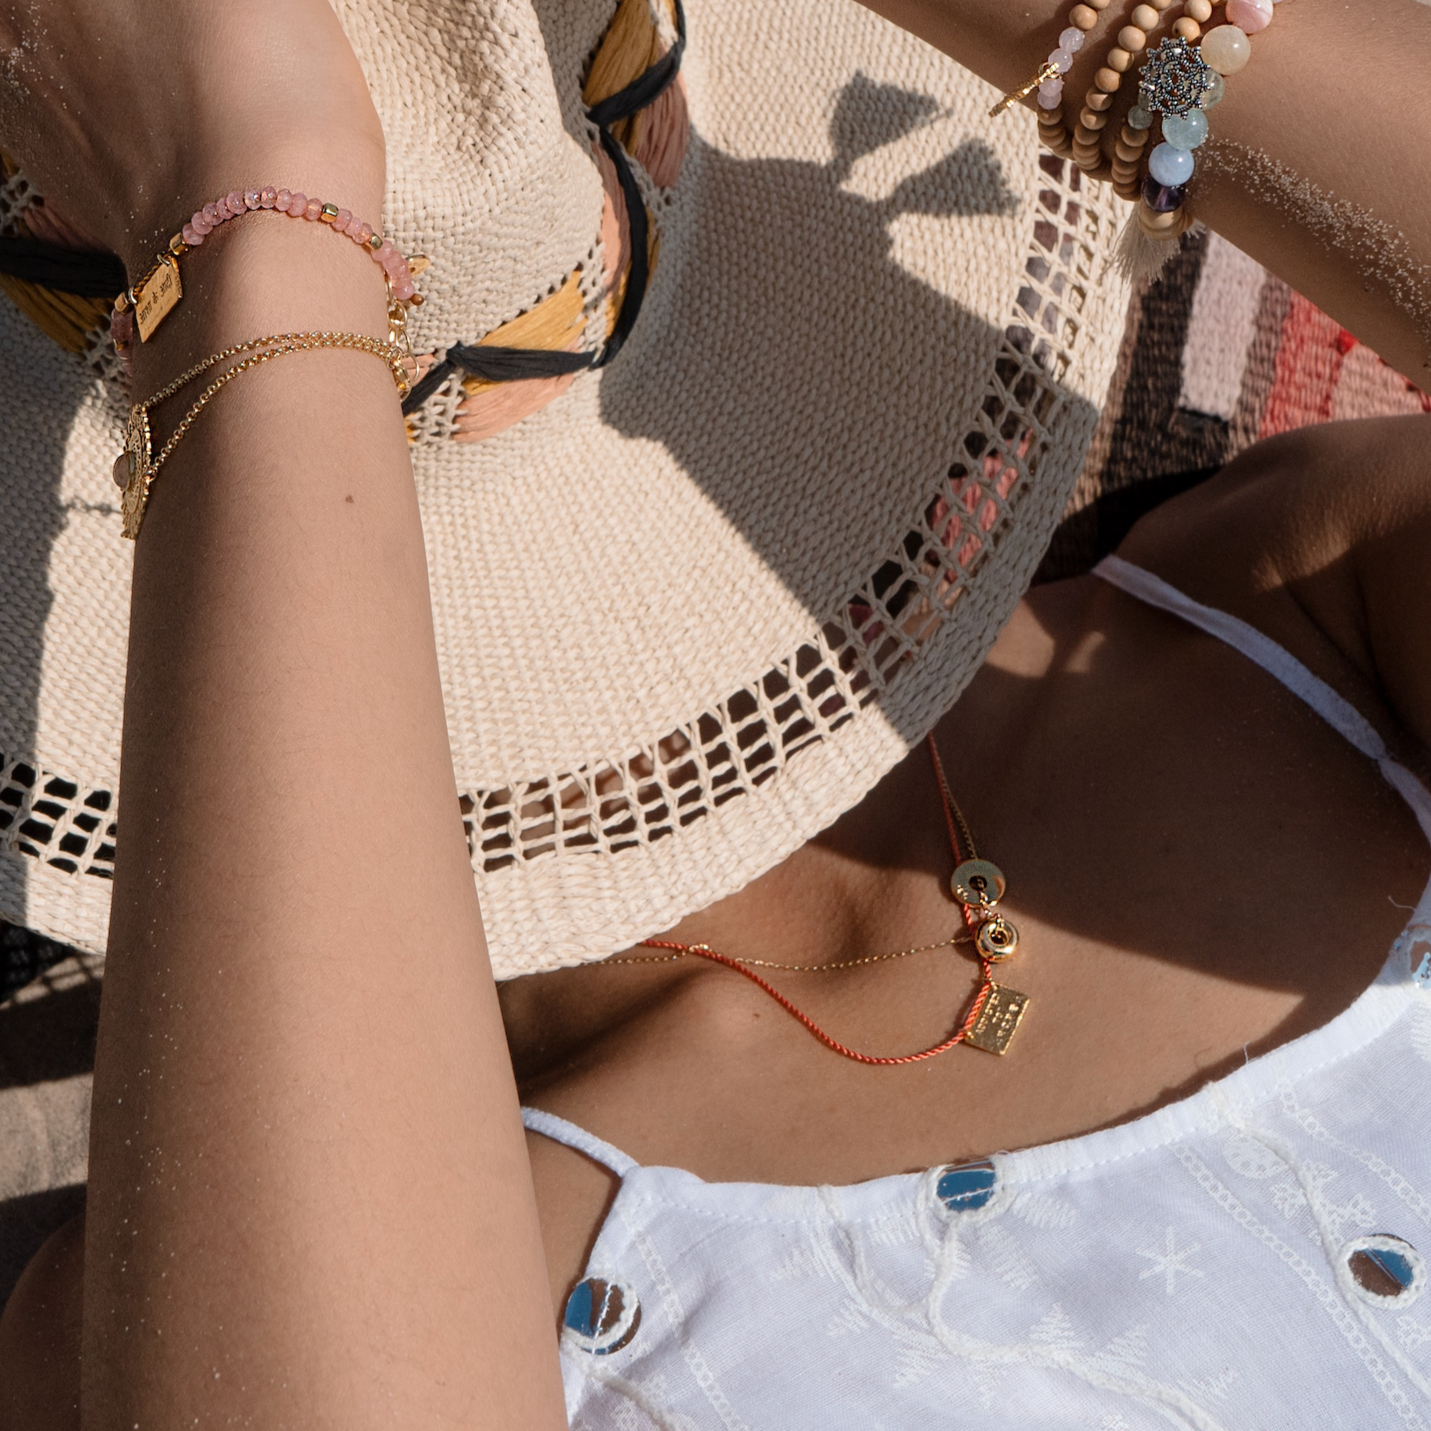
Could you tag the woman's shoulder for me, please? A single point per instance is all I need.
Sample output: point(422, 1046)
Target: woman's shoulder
point(1321, 538)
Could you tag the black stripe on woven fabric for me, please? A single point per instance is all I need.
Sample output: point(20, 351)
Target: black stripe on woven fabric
point(85, 275)
point(647, 87)
point(1153, 435)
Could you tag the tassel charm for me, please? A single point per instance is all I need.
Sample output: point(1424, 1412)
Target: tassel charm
point(1140, 257)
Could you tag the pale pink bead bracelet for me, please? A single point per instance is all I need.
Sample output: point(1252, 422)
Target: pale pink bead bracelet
point(148, 302)
point(298, 205)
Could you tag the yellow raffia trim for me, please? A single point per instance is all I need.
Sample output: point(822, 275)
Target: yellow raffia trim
point(555, 323)
point(61, 317)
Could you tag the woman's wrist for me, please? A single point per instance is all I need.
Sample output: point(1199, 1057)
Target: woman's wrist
point(260, 274)
point(350, 174)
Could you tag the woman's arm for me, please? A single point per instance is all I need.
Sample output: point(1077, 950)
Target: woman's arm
point(310, 1202)
point(1318, 164)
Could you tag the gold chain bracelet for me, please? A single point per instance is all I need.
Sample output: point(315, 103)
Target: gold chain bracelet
point(136, 467)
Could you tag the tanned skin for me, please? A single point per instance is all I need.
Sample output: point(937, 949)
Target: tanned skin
point(310, 1201)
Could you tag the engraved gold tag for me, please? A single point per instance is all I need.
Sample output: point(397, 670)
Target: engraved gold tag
point(156, 299)
point(998, 1020)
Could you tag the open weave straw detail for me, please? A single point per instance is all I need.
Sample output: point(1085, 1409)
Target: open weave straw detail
point(875, 636)
point(47, 817)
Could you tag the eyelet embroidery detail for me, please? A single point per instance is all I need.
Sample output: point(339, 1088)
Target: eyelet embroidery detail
point(1383, 1270)
point(602, 1315)
point(966, 1187)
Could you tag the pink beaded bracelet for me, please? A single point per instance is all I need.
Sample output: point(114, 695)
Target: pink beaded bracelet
point(149, 302)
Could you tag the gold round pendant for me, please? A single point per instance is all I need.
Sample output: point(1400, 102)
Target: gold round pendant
point(997, 939)
point(131, 470)
point(978, 882)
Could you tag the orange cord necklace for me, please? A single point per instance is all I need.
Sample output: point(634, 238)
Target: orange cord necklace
point(994, 1012)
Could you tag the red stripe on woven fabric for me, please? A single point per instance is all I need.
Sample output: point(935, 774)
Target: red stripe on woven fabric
point(1309, 362)
point(1367, 387)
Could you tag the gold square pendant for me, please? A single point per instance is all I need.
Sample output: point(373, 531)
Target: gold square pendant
point(998, 1020)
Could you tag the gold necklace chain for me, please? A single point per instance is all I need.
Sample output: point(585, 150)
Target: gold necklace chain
point(953, 806)
point(963, 937)
point(995, 1011)
point(277, 346)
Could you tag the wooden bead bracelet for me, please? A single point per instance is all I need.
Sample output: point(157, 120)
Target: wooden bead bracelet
point(1180, 79)
point(1084, 146)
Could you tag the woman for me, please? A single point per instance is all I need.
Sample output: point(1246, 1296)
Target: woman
point(312, 1204)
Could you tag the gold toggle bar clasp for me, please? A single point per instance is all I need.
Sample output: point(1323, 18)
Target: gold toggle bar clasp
point(1047, 71)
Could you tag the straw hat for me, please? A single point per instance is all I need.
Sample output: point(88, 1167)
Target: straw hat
point(692, 604)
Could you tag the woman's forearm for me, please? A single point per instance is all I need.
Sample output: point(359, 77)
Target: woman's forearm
point(310, 1203)
point(1318, 164)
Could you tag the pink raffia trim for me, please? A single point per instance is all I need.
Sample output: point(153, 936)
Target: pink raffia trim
point(297, 205)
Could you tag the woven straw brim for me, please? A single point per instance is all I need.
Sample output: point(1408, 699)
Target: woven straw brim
point(693, 609)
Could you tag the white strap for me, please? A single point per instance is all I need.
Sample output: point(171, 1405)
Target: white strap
point(536, 1120)
point(1277, 661)
point(1336, 710)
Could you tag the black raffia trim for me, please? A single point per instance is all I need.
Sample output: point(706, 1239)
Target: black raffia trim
point(647, 87)
point(639, 274)
point(496, 365)
point(85, 275)
point(506, 365)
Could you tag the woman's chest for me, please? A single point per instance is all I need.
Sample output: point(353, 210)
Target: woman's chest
point(1199, 870)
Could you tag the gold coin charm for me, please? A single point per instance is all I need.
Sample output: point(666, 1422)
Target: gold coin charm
point(997, 939)
point(131, 470)
point(978, 882)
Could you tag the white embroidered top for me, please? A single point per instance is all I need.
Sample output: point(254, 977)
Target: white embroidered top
point(1250, 1258)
